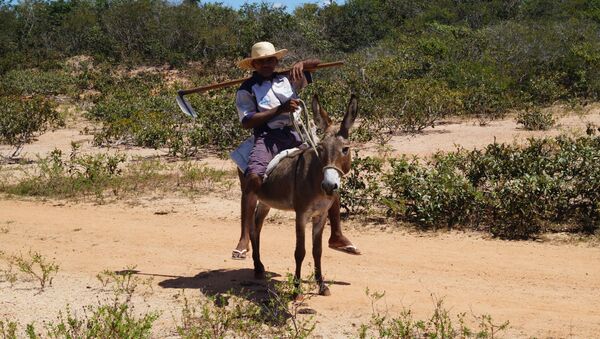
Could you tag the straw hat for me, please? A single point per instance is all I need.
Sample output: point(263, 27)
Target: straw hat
point(261, 50)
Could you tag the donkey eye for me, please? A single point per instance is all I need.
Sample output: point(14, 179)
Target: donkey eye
point(345, 150)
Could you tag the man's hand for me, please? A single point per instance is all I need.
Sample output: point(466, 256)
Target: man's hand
point(297, 71)
point(289, 106)
point(298, 68)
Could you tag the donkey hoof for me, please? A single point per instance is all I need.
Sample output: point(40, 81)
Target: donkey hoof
point(324, 290)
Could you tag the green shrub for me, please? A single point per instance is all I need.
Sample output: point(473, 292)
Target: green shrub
point(430, 196)
point(67, 178)
point(136, 110)
point(113, 318)
point(8, 329)
point(361, 190)
point(226, 315)
point(35, 266)
point(206, 320)
point(102, 175)
point(536, 119)
point(546, 89)
point(23, 119)
point(439, 325)
point(422, 103)
point(514, 192)
point(30, 82)
point(486, 104)
point(142, 111)
point(515, 208)
point(217, 125)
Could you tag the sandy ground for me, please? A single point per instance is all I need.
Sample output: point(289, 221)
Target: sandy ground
point(545, 289)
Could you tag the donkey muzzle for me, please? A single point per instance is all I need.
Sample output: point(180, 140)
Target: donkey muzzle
point(331, 180)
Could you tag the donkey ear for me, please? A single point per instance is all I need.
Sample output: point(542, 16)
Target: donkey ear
point(321, 117)
point(349, 117)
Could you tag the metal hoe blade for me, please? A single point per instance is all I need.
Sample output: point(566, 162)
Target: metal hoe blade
point(185, 106)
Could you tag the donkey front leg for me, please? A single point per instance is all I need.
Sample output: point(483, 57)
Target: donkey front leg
point(317, 238)
point(300, 251)
point(261, 213)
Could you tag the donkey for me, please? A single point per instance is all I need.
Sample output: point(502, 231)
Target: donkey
point(307, 183)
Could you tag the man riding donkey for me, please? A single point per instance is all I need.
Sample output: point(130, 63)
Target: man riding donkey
point(265, 103)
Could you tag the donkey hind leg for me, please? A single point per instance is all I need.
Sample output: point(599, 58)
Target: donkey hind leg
point(259, 217)
point(317, 250)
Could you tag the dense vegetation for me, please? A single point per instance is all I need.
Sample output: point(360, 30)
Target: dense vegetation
point(510, 191)
point(479, 58)
point(411, 62)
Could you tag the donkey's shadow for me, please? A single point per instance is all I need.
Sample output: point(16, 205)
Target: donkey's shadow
point(220, 283)
point(238, 282)
point(241, 283)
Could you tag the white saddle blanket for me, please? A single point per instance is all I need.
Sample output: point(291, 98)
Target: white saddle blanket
point(241, 155)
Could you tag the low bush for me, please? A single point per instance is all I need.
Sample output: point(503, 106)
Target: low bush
point(137, 110)
point(104, 175)
point(31, 82)
point(8, 329)
point(430, 196)
point(141, 111)
point(217, 126)
point(514, 192)
point(206, 320)
point(227, 315)
point(34, 266)
point(125, 283)
point(415, 111)
point(361, 190)
point(536, 119)
point(77, 175)
point(439, 325)
point(22, 119)
point(112, 318)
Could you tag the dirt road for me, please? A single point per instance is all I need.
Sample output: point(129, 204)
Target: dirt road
point(544, 290)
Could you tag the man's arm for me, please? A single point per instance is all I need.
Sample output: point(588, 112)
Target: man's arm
point(300, 66)
point(260, 118)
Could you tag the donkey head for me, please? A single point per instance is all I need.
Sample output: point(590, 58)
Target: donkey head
point(334, 149)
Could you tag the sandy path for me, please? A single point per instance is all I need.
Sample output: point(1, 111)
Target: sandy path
point(544, 290)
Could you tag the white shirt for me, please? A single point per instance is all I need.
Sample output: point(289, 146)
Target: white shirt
point(258, 95)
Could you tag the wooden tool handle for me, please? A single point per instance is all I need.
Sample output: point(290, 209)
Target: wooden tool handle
point(239, 81)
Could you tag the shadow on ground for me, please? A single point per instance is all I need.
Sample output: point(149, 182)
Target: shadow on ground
point(239, 282)
point(266, 293)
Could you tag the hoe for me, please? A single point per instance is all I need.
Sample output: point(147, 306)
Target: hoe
point(187, 108)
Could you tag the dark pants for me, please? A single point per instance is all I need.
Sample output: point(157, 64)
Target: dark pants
point(267, 144)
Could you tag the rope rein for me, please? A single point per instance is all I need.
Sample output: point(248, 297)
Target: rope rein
point(308, 135)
